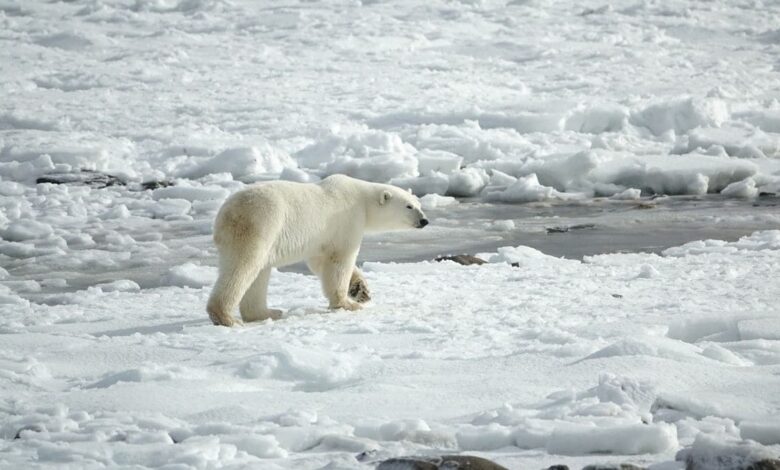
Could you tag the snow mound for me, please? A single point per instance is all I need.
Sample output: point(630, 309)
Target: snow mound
point(745, 189)
point(68, 40)
point(680, 115)
point(609, 418)
point(22, 230)
point(433, 201)
point(190, 193)
point(735, 141)
point(631, 194)
point(298, 175)
point(242, 162)
point(371, 155)
point(313, 370)
point(625, 440)
point(762, 240)
point(525, 189)
point(189, 275)
point(467, 182)
point(153, 372)
point(522, 255)
point(649, 346)
point(597, 119)
point(432, 183)
point(120, 285)
point(180, 6)
point(439, 161)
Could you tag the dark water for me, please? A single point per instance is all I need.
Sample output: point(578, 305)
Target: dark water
point(470, 227)
point(574, 230)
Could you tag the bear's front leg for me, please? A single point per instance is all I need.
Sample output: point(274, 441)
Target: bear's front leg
point(358, 289)
point(336, 275)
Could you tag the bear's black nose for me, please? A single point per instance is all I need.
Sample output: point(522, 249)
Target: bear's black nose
point(423, 222)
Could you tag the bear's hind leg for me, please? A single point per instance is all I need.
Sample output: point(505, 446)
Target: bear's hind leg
point(237, 271)
point(253, 306)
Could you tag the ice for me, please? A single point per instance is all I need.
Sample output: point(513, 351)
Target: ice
point(438, 161)
point(764, 432)
point(434, 183)
point(371, 155)
point(242, 162)
point(711, 453)
point(769, 239)
point(744, 189)
point(189, 275)
point(433, 201)
point(190, 193)
point(525, 189)
point(518, 254)
point(466, 183)
point(628, 195)
point(9, 188)
point(298, 175)
point(23, 230)
point(260, 446)
point(626, 440)
point(654, 331)
point(597, 119)
point(680, 115)
point(492, 437)
point(735, 141)
point(647, 271)
point(120, 285)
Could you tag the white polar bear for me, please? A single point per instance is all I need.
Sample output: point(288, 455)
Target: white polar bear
point(278, 223)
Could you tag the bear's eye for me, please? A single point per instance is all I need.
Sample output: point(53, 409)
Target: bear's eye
point(409, 206)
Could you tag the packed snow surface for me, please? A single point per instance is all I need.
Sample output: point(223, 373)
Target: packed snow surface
point(529, 359)
point(608, 126)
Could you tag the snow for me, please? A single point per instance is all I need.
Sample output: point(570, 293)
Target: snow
point(627, 342)
point(744, 189)
point(189, 275)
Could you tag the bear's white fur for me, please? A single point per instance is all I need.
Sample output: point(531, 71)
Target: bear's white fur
point(278, 223)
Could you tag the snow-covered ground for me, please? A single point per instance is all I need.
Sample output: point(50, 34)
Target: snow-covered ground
point(584, 111)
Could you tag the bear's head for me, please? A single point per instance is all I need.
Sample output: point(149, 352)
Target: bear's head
point(397, 210)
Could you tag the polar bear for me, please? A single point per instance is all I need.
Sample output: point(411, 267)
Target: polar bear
point(278, 223)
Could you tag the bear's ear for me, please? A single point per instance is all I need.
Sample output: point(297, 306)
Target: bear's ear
point(384, 197)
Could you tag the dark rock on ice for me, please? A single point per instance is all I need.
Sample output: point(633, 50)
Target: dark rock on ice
point(29, 427)
point(446, 462)
point(569, 228)
point(621, 466)
point(645, 205)
point(465, 260)
point(710, 453)
point(89, 178)
point(152, 185)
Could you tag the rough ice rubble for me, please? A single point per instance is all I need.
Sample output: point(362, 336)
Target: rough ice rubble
point(711, 453)
point(610, 418)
